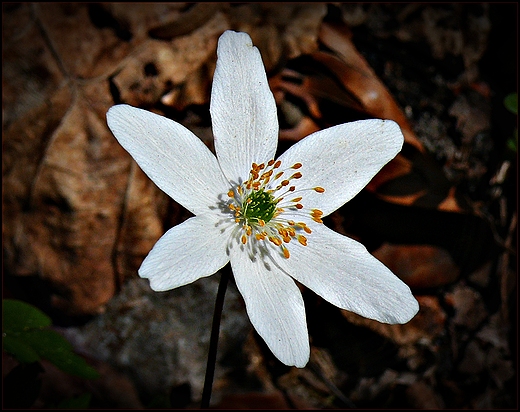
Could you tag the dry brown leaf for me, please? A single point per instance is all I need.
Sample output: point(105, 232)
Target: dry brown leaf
point(419, 266)
point(78, 212)
point(364, 83)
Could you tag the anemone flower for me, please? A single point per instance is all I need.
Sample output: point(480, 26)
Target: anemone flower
point(261, 214)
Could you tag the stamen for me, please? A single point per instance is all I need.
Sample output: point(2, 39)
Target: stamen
point(276, 240)
point(259, 208)
point(285, 252)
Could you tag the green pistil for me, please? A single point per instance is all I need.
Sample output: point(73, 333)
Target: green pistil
point(259, 205)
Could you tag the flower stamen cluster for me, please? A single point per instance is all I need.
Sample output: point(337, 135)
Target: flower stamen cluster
point(259, 203)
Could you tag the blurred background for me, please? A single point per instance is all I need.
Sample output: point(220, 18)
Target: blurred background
point(79, 216)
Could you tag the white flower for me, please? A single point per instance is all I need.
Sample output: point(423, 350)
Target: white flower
point(265, 215)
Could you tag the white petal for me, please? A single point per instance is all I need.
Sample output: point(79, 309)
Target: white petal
point(243, 110)
point(194, 249)
point(172, 156)
point(341, 271)
point(275, 307)
point(342, 160)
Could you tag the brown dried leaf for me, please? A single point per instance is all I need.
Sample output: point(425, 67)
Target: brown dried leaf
point(66, 178)
point(419, 266)
point(340, 77)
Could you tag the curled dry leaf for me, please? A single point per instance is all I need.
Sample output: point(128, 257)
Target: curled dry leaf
point(338, 78)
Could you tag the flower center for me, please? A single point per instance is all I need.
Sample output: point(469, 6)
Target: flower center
point(263, 204)
point(259, 205)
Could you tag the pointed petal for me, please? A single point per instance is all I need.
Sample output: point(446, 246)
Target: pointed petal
point(341, 271)
point(194, 249)
point(243, 110)
point(275, 307)
point(342, 160)
point(172, 156)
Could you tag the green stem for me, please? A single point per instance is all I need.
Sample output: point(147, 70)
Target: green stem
point(213, 343)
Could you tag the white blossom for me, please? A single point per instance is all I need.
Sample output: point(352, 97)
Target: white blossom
point(261, 214)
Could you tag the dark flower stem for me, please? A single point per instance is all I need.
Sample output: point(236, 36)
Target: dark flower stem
point(213, 343)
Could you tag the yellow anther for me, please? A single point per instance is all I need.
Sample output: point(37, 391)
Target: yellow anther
point(316, 213)
point(303, 240)
point(231, 193)
point(278, 175)
point(319, 189)
point(297, 165)
point(317, 219)
point(244, 239)
point(285, 252)
point(276, 240)
point(261, 222)
point(266, 175)
point(249, 230)
point(308, 229)
point(291, 222)
point(260, 236)
point(296, 199)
